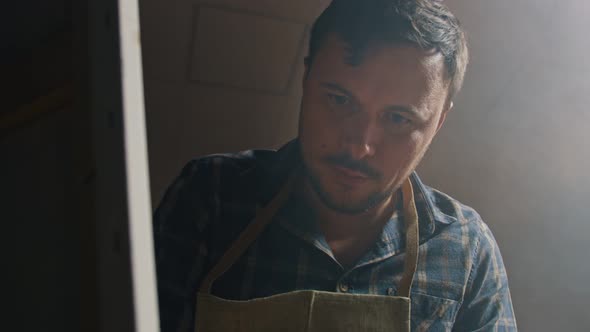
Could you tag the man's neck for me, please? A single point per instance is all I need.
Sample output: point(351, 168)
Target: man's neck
point(349, 235)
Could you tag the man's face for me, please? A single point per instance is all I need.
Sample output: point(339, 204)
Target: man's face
point(363, 129)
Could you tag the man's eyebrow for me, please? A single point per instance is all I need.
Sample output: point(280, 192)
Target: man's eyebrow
point(406, 109)
point(337, 87)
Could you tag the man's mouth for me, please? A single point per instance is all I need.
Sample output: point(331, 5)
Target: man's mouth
point(351, 172)
point(349, 176)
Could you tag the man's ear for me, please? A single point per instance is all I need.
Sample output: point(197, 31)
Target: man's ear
point(305, 67)
point(448, 107)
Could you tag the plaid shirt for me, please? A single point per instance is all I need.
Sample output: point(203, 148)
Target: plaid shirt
point(460, 283)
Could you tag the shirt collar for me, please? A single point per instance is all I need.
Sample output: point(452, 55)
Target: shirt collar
point(429, 208)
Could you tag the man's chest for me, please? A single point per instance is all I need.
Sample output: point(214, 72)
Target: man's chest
point(280, 262)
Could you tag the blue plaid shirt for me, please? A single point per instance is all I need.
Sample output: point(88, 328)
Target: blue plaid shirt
point(460, 283)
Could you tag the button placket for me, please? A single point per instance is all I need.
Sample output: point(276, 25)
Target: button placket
point(343, 287)
point(344, 284)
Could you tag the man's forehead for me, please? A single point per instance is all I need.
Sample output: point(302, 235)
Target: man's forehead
point(381, 64)
point(336, 53)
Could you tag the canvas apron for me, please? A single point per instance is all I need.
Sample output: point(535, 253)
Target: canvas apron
point(308, 310)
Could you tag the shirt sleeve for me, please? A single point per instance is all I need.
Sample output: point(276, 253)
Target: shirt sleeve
point(180, 232)
point(487, 305)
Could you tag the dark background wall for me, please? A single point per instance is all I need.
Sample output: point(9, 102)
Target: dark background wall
point(46, 168)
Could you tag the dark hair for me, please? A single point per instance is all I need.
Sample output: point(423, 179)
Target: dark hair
point(427, 24)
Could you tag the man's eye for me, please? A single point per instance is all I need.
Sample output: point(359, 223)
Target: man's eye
point(395, 118)
point(338, 100)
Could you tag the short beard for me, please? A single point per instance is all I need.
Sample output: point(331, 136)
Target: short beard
point(373, 200)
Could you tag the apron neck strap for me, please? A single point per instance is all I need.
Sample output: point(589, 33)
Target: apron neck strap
point(265, 215)
point(412, 239)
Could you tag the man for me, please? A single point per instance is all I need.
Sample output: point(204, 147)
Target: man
point(331, 213)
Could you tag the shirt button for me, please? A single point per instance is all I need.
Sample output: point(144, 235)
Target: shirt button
point(343, 287)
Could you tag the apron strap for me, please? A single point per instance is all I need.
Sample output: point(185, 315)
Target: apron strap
point(263, 217)
point(412, 239)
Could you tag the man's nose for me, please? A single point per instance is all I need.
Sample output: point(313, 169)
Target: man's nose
point(361, 137)
point(361, 151)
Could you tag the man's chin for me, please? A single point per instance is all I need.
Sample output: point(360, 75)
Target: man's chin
point(348, 205)
point(343, 199)
point(350, 208)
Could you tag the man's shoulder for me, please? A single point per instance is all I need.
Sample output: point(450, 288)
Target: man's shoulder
point(236, 162)
point(249, 172)
point(225, 170)
point(258, 162)
point(217, 189)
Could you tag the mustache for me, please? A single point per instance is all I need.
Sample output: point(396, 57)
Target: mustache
point(346, 161)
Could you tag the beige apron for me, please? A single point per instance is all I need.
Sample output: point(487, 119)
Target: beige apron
point(308, 310)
